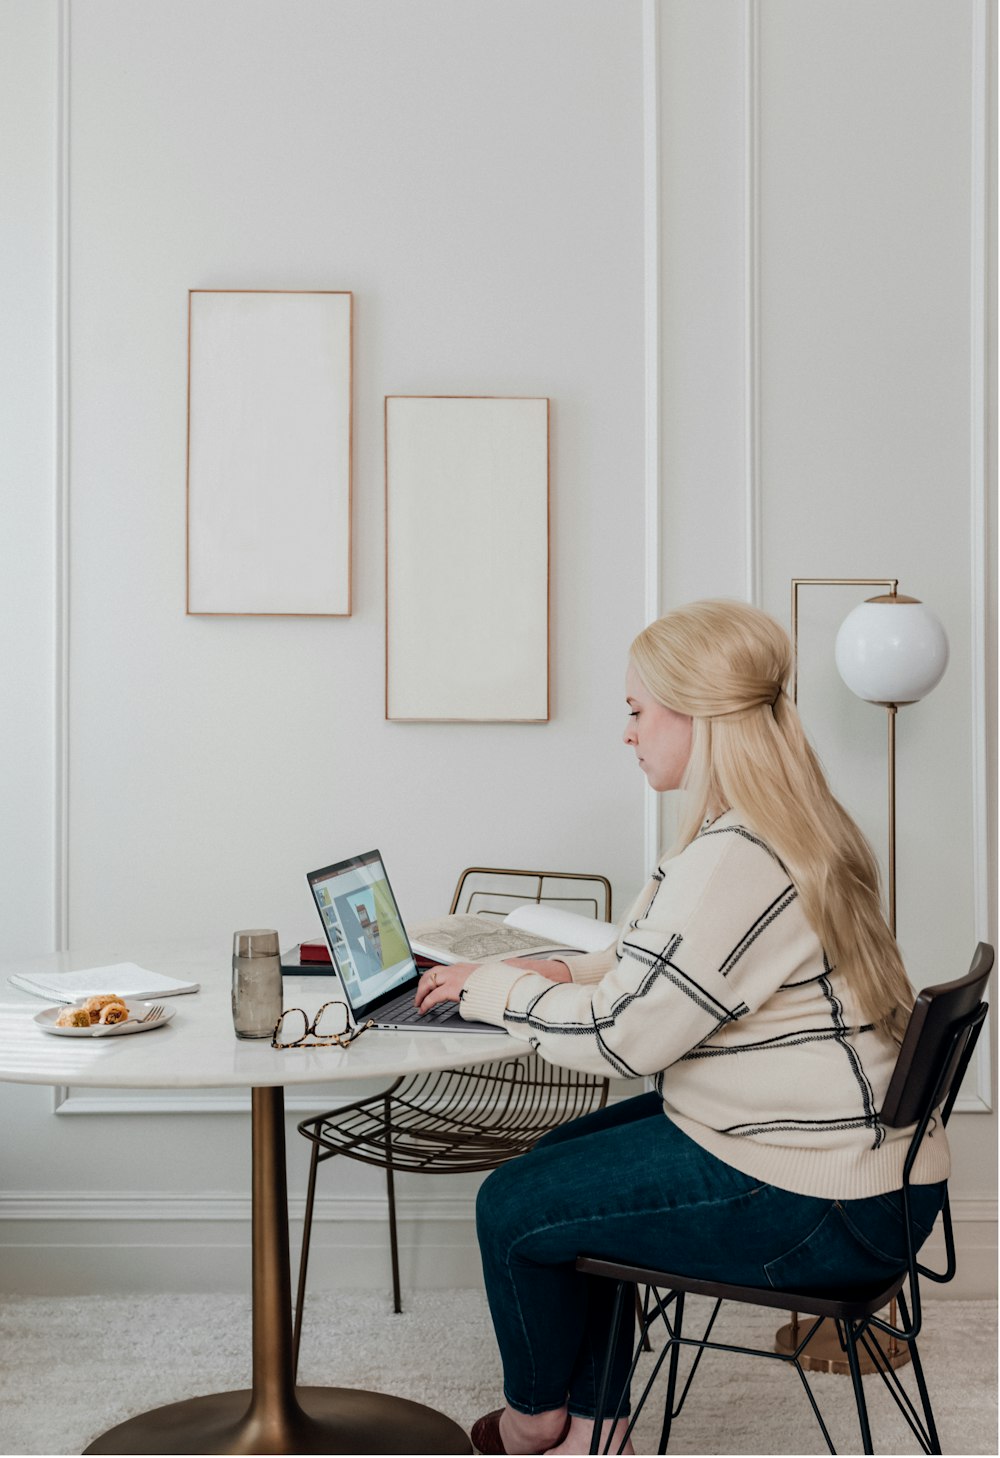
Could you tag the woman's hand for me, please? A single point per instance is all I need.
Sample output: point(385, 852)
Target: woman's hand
point(550, 967)
point(442, 984)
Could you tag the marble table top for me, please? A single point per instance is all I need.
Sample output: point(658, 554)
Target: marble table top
point(198, 1048)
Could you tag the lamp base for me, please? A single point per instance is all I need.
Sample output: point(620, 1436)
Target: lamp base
point(823, 1352)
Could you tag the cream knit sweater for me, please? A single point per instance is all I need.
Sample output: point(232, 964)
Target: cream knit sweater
point(719, 987)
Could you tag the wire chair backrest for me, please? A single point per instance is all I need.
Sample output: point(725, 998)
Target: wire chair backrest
point(937, 1045)
point(598, 887)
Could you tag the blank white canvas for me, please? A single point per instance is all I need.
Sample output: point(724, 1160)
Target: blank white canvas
point(467, 558)
point(269, 453)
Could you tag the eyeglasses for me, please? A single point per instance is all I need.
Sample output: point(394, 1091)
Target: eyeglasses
point(331, 1026)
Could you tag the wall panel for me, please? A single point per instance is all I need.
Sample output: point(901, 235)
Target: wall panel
point(826, 353)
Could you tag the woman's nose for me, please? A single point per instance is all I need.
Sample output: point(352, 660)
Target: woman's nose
point(629, 736)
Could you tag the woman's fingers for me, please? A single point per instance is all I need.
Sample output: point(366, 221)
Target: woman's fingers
point(442, 984)
point(434, 998)
point(431, 988)
point(426, 985)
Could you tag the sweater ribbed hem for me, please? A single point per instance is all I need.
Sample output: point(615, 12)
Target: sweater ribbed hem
point(828, 1174)
point(484, 996)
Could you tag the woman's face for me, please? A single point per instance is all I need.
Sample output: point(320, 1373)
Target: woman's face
point(660, 737)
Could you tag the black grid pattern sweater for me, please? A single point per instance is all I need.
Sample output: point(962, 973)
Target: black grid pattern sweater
point(719, 988)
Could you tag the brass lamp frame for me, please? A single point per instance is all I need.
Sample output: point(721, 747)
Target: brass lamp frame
point(825, 1352)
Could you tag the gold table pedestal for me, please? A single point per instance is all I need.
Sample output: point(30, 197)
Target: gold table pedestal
point(823, 1352)
point(319, 1420)
point(274, 1417)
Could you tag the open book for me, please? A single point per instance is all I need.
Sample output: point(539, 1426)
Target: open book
point(534, 930)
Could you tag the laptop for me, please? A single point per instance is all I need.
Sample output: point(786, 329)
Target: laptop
point(371, 951)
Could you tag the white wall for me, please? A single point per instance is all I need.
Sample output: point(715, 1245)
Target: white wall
point(827, 408)
point(448, 164)
point(29, 465)
point(474, 174)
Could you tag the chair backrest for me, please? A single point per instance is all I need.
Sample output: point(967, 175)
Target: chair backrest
point(937, 1045)
point(531, 886)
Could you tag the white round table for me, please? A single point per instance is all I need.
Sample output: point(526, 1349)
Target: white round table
point(198, 1049)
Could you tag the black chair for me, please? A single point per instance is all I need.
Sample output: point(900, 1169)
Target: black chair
point(939, 1040)
point(464, 1120)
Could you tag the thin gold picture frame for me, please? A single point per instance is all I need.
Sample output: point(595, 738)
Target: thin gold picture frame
point(492, 718)
point(346, 610)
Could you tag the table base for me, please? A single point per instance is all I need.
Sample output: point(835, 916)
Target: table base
point(323, 1420)
point(823, 1352)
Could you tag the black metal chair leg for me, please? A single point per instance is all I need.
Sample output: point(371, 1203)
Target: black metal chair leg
point(300, 1295)
point(918, 1372)
point(602, 1397)
point(675, 1352)
point(640, 1314)
point(397, 1304)
point(859, 1391)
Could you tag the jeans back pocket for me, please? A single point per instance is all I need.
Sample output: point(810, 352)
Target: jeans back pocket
point(830, 1255)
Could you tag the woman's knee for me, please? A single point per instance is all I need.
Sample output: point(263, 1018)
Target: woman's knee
point(503, 1199)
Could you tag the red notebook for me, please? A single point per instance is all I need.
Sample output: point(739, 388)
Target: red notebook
point(316, 951)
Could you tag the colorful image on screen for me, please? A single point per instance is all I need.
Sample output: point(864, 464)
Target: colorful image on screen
point(360, 915)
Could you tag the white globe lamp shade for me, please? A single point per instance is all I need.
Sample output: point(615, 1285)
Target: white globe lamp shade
point(891, 650)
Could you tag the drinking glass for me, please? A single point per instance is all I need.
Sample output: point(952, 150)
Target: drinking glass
point(256, 983)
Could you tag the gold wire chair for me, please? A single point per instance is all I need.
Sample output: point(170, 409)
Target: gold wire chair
point(456, 1121)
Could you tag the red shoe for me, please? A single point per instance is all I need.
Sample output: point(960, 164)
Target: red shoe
point(486, 1437)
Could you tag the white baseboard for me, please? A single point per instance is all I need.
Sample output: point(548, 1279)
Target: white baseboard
point(75, 1243)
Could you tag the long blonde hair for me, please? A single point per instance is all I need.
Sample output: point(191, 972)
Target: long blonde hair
point(726, 664)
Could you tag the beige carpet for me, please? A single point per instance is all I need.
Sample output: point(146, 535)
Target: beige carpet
point(71, 1367)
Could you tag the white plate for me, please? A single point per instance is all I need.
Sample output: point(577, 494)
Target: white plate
point(46, 1020)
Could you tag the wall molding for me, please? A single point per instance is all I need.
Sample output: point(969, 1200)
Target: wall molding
point(311, 1099)
point(63, 1205)
point(85, 1243)
point(653, 503)
point(751, 299)
point(61, 487)
point(981, 1101)
point(299, 1099)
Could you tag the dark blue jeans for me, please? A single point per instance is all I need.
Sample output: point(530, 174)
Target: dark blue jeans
point(627, 1185)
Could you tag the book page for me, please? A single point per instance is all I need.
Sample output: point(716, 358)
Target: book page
point(475, 938)
point(570, 928)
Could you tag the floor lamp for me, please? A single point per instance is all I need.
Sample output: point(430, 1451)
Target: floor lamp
point(891, 651)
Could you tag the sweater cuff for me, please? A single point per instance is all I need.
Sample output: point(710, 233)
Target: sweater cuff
point(484, 996)
point(589, 967)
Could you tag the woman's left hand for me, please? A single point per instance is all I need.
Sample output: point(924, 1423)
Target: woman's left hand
point(443, 984)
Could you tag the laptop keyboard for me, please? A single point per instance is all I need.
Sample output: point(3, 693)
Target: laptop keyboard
point(404, 1010)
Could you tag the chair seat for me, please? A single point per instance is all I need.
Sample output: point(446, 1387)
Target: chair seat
point(844, 1302)
point(461, 1121)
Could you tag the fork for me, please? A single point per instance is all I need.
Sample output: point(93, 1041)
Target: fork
point(151, 1016)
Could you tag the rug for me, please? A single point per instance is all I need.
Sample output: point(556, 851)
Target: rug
point(74, 1366)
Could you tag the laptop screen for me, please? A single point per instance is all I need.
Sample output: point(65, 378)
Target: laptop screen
point(367, 939)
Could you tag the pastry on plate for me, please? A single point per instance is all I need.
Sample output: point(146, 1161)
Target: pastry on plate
point(73, 1017)
point(113, 1012)
point(93, 1005)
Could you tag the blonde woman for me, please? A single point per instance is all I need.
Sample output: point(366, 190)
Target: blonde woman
point(756, 979)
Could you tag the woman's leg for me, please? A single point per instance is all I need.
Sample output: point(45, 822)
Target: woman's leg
point(616, 1191)
point(637, 1191)
point(536, 1431)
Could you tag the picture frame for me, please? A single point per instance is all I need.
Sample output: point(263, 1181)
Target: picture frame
point(269, 452)
point(467, 558)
